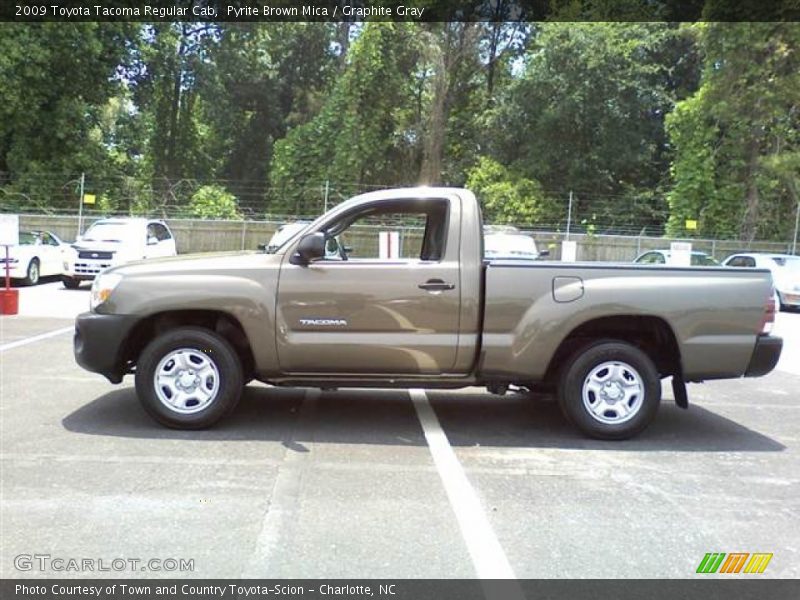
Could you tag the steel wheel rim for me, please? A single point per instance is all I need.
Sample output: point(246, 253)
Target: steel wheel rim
point(186, 381)
point(613, 392)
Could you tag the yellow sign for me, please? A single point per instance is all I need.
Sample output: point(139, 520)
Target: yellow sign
point(88, 198)
point(691, 224)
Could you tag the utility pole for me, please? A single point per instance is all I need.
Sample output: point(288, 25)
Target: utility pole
point(80, 206)
point(325, 207)
point(796, 223)
point(569, 213)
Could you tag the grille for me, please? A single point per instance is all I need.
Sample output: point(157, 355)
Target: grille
point(82, 268)
point(95, 254)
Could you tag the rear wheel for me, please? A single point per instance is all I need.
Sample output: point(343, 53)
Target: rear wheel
point(610, 390)
point(189, 378)
point(32, 274)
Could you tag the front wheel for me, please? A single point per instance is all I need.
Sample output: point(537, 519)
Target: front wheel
point(70, 282)
point(610, 390)
point(32, 274)
point(189, 378)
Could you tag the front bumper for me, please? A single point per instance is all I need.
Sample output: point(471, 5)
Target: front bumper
point(790, 298)
point(765, 355)
point(99, 343)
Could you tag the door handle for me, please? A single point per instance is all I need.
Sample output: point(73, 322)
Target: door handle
point(436, 285)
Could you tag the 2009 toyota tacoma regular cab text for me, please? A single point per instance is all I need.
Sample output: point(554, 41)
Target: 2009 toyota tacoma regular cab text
point(325, 311)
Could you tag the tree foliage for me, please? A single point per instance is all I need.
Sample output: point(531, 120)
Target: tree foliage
point(648, 123)
point(508, 197)
point(214, 202)
point(361, 134)
point(737, 138)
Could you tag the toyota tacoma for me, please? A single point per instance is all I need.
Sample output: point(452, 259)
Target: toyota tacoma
point(343, 304)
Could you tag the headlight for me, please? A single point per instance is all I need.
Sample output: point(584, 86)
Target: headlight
point(102, 287)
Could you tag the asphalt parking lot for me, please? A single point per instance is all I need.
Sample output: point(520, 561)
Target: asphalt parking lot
point(377, 484)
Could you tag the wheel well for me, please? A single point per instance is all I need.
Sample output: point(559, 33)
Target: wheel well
point(220, 322)
point(652, 335)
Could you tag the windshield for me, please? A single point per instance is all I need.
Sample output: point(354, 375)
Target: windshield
point(109, 232)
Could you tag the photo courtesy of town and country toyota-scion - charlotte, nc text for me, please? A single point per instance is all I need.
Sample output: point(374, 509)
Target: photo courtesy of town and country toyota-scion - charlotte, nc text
point(211, 12)
point(192, 590)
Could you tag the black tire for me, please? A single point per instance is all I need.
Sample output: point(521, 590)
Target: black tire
point(622, 418)
point(201, 344)
point(70, 283)
point(32, 274)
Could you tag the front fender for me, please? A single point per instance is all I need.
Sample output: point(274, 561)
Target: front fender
point(249, 300)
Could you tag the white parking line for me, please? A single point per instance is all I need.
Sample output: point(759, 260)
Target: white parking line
point(35, 338)
point(487, 554)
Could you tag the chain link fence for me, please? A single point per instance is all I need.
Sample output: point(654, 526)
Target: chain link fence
point(53, 203)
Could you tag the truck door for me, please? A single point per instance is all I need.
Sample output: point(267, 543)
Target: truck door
point(159, 241)
point(375, 304)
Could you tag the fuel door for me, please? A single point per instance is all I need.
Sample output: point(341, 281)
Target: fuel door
point(567, 289)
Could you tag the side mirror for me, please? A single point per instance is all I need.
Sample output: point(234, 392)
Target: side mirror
point(152, 241)
point(544, 253)
point(310, 248)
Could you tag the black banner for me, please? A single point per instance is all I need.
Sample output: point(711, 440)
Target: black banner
point(398, 10)
point(754, 588)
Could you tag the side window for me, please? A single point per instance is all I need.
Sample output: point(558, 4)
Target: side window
point(397, 230)
point(161, 232)
point(651, 258)
point(48, 240)
point(742, 261)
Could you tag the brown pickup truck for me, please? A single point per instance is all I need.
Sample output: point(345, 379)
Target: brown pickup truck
point(326, 310)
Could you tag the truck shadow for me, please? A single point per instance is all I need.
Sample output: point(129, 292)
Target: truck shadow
point(383, 417)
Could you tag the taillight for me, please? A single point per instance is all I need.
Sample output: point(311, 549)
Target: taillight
point(768, 318)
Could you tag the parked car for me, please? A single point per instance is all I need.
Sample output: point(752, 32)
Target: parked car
point(510, 246)
point(112, 242)
point(785, 270)
point(661, 257)
point(38, 254)
point(194, 330)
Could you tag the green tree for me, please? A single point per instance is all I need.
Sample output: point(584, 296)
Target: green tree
point(736, 140)
point(262, 79)
point(56, 80)
point(508, 197)
point(361, 135)
point(214, 202)
point(587, 114)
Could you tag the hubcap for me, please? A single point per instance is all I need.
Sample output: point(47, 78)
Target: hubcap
point(186, 381)
point(33, 272)
point(613, 392)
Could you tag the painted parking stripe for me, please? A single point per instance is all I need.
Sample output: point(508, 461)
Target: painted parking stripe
point(35, 338)
point(487, 555)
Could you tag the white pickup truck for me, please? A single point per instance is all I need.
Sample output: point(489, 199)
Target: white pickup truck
point(112, 242)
